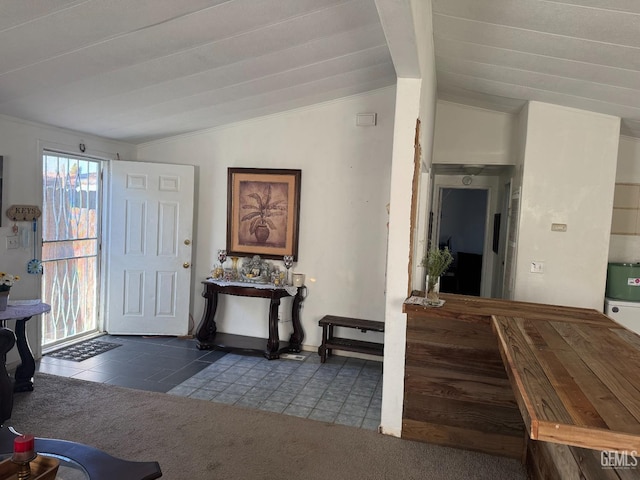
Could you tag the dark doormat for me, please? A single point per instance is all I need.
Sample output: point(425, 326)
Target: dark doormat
point(84, 350)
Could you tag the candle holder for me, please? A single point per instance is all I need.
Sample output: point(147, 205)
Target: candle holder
point(222, 257)
point(218, 272)
point(23, 455)
point(24, 468)
point(288, 263)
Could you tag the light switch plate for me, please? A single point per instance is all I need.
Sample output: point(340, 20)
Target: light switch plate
point(13, 241)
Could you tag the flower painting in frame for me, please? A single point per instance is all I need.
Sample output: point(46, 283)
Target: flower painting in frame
point(263, 212)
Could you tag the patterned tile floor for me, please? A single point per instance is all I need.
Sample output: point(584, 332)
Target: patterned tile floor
point(343, 390)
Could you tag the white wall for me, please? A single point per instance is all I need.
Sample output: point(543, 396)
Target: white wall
point(343, 215)
point(415, 99)
point(626, 248)
point(407, 111)
point(471, 135)
point(20, 144)
point(569, 175)
point(518, 147)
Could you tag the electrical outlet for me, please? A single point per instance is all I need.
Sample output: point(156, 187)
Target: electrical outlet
point(537, 267)
point(13, 241)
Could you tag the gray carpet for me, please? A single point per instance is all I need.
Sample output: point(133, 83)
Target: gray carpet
point(200, 440)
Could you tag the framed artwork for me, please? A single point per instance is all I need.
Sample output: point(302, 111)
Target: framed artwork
point(263, 212)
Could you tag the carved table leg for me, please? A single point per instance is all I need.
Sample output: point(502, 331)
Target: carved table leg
point(207, 329)
point(295, 342)
point(273, 344)
point(25, 371)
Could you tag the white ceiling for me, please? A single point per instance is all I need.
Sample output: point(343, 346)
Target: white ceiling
point(138, 70)
point(578, 53)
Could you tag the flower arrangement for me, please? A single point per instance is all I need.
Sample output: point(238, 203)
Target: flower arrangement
point(436, 262)
point(7, 281)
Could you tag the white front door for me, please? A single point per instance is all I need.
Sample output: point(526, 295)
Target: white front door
point(149, 248)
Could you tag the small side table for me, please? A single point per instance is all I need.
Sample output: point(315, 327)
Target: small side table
point(21, 314)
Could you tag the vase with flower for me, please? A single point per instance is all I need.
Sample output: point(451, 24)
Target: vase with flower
point(436, 263)
point(6, 282)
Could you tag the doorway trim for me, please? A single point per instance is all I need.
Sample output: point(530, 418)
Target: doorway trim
point(34, 329)
point(488, 183)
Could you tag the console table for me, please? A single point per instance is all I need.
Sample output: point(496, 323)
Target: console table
point(82, 461)
point(209, 339)
point(21, 314)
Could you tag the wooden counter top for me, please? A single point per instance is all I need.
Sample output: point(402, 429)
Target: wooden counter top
point(463, 307)
point(556, 387)
point(576, 382)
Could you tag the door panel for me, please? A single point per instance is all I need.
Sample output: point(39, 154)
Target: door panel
point(151, 216)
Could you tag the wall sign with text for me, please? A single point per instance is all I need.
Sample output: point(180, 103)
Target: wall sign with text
point(23, 213)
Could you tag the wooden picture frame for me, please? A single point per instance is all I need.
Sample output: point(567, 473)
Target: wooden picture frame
point(263, 212)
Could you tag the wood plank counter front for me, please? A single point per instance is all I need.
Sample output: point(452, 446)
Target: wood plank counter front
point(550, 384)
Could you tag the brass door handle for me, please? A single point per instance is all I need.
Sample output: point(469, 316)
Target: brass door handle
point(187, 242)
point(186, 265)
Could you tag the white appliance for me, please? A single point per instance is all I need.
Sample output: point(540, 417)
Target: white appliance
point(623, 312)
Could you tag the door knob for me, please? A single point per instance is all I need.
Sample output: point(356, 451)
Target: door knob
point(186, 265)
point(187, 242)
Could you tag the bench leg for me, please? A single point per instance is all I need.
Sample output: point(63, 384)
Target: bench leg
point(330, 337)
point(322, 349)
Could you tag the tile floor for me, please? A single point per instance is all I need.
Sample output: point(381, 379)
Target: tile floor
point(343, 390)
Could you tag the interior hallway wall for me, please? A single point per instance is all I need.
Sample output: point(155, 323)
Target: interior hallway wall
point(568, 178)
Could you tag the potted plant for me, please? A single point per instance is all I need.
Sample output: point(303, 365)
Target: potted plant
point(6, 282)
point(436, 262)
point(263, 209)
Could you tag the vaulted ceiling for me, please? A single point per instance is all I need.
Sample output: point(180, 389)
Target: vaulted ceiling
point(577, 53)
point(138, 70)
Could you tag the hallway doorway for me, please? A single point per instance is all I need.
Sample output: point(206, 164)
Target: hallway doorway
point(462, 228)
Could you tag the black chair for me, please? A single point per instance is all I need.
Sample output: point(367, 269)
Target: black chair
point(7, 341)
point(469, 273)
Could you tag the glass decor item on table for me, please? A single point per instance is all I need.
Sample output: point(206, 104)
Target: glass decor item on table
point(275, 277)
point(288, 263)
point(234, 268)
point(222, 257)
point(218, 272)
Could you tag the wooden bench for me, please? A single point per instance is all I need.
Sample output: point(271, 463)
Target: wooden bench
point(329, 341)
